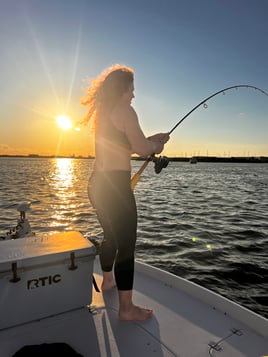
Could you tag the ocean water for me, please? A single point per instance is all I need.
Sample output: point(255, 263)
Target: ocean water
point(206, 222)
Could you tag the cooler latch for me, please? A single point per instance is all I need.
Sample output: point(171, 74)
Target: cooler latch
point(72, 266)
point(14, 270)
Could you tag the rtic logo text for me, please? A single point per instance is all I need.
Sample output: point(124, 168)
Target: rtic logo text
point(43, 281)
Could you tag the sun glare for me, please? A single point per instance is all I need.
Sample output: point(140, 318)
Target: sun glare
point(64, 122)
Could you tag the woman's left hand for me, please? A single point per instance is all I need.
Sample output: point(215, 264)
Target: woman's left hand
point(161, 137)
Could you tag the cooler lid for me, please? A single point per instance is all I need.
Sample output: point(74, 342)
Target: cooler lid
point(44, 245)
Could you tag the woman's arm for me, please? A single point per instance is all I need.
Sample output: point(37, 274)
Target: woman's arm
point(139, 143)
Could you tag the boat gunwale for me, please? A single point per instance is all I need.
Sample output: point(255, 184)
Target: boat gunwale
point(252, 320)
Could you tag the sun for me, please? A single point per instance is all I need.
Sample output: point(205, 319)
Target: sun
point(64, 122)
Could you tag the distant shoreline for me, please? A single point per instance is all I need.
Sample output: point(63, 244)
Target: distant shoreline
point(235, 159)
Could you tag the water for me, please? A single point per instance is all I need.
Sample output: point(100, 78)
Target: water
point(206, 222)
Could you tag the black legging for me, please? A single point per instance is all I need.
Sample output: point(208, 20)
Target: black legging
point(111, 195)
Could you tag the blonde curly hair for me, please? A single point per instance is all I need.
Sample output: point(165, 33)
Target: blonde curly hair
point(106, 90)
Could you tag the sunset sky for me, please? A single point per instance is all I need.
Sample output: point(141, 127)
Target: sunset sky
point(182, 51)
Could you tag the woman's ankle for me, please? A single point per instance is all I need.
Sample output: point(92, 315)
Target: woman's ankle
point(108, 281)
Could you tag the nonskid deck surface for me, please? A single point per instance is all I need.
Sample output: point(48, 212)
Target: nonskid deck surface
point(181, 326)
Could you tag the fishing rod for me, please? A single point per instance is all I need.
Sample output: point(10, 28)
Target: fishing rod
point(162, 161)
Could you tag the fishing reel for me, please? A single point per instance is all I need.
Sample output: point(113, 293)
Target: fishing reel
point(160, 163)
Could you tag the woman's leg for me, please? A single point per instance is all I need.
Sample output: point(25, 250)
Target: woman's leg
point(107, 255)
point(126, 234)
point(98, 192)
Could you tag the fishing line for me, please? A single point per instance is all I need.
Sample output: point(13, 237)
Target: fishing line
point(162, 161)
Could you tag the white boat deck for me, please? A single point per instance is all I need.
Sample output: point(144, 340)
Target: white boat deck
point(182, 324)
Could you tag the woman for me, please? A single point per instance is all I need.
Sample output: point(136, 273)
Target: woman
point(117, 136)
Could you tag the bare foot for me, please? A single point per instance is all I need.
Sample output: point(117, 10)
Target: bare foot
point(135, 313)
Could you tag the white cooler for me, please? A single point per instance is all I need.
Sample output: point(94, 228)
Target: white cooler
point(44, 276)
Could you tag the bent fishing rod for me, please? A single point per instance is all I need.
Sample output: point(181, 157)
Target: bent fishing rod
point(162, 162)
